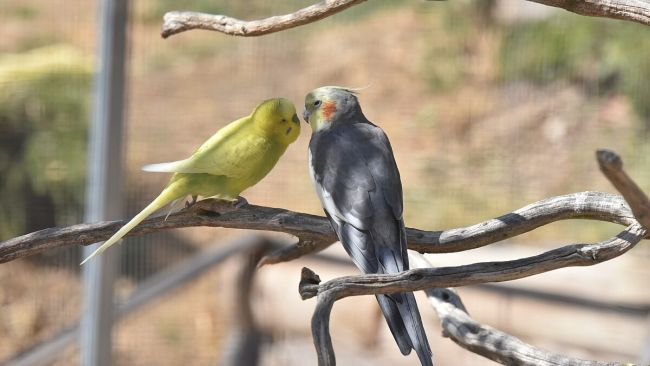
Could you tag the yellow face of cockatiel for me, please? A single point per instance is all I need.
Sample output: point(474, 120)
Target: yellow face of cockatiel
point(325, 105)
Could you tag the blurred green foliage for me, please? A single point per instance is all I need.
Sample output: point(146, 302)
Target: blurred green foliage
point(606, 55)
point(43, 132)
point(453, 29)
point(23, 11)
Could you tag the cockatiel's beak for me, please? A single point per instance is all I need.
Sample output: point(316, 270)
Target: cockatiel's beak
point(305, 116)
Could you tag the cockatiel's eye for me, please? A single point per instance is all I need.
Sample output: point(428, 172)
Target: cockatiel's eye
point(317, 103)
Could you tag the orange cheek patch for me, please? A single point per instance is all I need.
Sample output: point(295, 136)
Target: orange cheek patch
point(328, 109)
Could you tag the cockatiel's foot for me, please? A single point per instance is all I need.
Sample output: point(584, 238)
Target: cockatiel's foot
point(240, 202)
point(189, 204)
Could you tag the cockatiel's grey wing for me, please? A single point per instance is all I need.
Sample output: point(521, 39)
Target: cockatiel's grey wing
point(359, 186)
point(358, 183)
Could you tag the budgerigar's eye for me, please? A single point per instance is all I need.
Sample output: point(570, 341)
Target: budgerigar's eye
point(317, 103)
point(284, 120)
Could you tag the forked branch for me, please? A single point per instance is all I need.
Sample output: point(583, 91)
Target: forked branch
point(471, 274)
point(483, 339)
point(430, 278)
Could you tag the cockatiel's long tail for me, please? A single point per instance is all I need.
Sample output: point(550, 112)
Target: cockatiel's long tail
point(172, 192)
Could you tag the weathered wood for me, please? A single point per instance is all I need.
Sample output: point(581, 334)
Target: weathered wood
point(175, 22)
point(426, 278)
point(632, 10)
point(180, 21)
point(210, 212)
point(315, 233)
point(485, 340)
point(471, 274)
point(612, 167)
point(490, 342)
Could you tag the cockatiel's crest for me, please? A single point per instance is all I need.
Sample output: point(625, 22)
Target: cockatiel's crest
point(330, 104)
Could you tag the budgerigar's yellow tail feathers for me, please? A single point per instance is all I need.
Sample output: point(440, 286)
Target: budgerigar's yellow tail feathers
point(165, 197)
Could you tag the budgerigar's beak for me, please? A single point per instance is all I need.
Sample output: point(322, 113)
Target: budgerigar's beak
point(295, 119)
point(305, 116)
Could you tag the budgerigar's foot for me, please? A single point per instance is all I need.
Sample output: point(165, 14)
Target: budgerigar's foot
point(239, 202)
point(189, 204)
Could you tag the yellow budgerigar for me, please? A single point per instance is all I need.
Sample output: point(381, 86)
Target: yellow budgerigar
point(236, 157)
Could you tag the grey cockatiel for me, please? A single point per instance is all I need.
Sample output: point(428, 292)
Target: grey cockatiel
point(356, 178)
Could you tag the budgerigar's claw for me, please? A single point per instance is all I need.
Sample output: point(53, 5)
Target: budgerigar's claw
point(189, 204)
point(240, 202)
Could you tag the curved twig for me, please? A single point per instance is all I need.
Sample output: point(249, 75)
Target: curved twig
point(612, 167)
point(485, 340)
point(632, 10)
point(315, 233)
point(180, 21)
point(421, 279)
point(490, 342)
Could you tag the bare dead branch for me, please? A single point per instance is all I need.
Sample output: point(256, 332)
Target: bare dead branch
point(209, 212)
point(612, 167)
point(490, 342)
point(428, 278)
point(583, 205)
point(632, 10)
point(485, 340)
point(180, 21)
point(315, 233)
point(421, 279)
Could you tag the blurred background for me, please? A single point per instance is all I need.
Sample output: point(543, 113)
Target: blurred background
point(489, 105)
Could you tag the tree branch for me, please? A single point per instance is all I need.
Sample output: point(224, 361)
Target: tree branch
point(210, 212)
point(314, 232)
point(632, 10)
point(421, 279)
point(175, 22)
point(180, 21)
point(583, 205)
point(612, 167)
point(485, 340)
point(427, 278)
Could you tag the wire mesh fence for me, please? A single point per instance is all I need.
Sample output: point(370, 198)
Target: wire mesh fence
point(487, 111)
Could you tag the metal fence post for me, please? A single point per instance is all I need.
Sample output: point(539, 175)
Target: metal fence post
point(103, 189)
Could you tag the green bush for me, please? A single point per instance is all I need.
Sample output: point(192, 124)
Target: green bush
point(43, 132)
point(605, 55)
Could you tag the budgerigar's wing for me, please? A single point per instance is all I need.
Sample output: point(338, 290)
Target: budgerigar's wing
point(231, 152)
